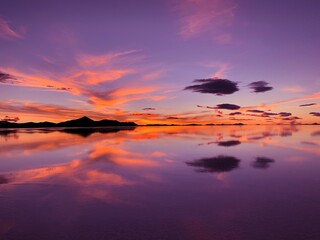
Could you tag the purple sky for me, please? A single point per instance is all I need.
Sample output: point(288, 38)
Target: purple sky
point(111, 59)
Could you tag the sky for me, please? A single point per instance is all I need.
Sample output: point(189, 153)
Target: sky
point(161, 61)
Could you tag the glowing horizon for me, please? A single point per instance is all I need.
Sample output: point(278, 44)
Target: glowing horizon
point(161, 62)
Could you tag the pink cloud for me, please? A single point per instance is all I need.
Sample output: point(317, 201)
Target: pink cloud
point(221, 69)
point(294, 89)
point(7, 32)
point(197, 16)
point(99, 60)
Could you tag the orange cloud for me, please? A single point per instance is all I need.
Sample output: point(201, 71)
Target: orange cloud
point(34, 80)
point(99, 60)
point(48, 112)
point(93, 77)
point(96, 77)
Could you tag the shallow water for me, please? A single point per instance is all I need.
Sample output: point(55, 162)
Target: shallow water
point(219, 182)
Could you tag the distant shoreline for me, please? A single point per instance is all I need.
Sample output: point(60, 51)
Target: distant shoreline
point(3, 128)
point(86, 122)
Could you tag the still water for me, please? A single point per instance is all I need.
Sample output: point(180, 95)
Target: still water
point(215, 183)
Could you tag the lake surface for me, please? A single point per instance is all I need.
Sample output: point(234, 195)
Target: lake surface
point(215, 183)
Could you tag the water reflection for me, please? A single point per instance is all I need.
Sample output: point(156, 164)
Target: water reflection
point(86, 132)
point(230, 143)
point(316, 133)
point(3, 180)
point(262, 162)
point(93, 183)
point(215, 164)
point(8, 134)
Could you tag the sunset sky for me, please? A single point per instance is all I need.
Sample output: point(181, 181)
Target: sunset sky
point(161, 61)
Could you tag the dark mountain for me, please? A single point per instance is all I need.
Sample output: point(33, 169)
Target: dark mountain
point(81, 122)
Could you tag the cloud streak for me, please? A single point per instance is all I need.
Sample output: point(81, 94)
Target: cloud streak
point(307, 105)
point(49, 111)
point(96, 78)
point(198, 16)
point(7, 32)
point(315, 114)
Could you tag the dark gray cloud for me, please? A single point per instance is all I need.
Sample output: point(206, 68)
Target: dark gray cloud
point(307, 105)
point(148, 109)
point(292, 118)
point(316, 114)
point(215, 164)
point(215, 86)
point(285, 114)
point(255, 111)
point(142, 114)
point(59, 88)
point(228, 106)
point(260, 86)
point(270, 114)
point(63, 89)
point(200, 106)
point(7, 78)
point(240, 119)
point(235, 113)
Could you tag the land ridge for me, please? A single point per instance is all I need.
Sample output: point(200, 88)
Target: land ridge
point(80, 122)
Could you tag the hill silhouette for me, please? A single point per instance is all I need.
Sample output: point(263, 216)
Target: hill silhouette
point(80, 122)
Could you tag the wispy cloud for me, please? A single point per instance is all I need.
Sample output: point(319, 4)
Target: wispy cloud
point(86, 60)
point(220, 69)
point(307, 105)
point(300, 99)
point(7, 32)
point(96, 78)
point(294, 89)
point(198, 16)
point(48, 111)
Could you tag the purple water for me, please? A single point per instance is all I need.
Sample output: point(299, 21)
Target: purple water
point(215, 183)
